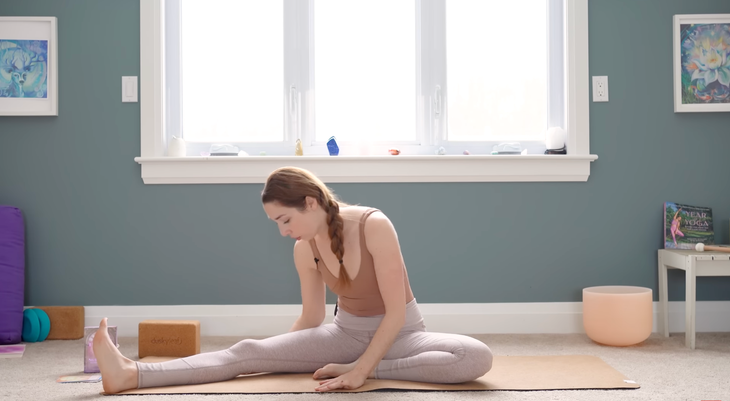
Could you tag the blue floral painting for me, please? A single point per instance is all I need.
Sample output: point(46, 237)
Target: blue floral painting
point(24, 68)
point(705, 63)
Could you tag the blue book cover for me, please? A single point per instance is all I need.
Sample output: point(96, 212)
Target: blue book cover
point(686, 225)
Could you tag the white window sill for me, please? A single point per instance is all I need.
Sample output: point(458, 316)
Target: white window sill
point(340, 169)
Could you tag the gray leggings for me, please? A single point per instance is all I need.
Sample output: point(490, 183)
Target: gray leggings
point(415, 355)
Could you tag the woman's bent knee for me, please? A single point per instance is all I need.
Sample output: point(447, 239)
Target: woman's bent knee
point(486, 357)
point(479, 360)
point(243, 348)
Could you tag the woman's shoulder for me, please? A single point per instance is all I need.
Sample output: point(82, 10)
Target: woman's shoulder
point(371, 220)
point(362, 215)
point(377, 228)
point(303, 254)
point(351, 212)
point(303, 248)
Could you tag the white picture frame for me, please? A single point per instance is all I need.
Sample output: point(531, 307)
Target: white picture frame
point(28, 66)
point(697, 60)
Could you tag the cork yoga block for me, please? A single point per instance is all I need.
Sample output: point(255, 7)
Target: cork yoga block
point(67, 322)
point(177, 338)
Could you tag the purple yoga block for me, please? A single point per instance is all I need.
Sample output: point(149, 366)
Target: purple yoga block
point(12, 274)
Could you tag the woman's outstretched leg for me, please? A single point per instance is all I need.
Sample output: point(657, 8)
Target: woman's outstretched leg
point(117, 372)
point(295, 352)
point(302, 351)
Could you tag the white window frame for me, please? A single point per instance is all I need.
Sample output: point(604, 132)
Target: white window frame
point(156, 168)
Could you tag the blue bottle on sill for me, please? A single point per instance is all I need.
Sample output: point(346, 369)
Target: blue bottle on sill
point(332, 147)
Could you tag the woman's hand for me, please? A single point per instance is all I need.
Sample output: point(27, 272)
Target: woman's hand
point(348, 381)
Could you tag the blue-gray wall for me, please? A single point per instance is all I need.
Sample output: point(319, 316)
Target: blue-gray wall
point(96, 235)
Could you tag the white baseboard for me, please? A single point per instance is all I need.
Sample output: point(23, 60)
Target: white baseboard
point(493, 318)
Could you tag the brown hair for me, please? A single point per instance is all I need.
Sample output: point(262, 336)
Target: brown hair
point(290, 186)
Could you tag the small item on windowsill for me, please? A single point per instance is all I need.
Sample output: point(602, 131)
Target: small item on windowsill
point(176, 147)
point(441, 151)
point(298, 149)
point(262, 153)
point(394, 152)
point(507, 148)
point(332, 147)
point(555, 140)
point(561, 151)
point(466, 152)
point(223, 149)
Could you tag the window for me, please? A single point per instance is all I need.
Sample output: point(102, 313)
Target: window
point(228, 69)
point(414, 78)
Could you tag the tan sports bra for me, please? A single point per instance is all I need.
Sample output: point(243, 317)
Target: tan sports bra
point(362, 297)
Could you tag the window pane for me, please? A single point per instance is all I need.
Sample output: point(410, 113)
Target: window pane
point(496, 69)
point(232, 70)
point(364, 70)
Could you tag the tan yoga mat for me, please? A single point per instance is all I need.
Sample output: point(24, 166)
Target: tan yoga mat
point(562, 372)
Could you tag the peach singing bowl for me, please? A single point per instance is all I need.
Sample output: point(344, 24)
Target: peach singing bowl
point(617, 315)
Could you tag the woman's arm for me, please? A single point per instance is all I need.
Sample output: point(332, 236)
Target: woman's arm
point(312, 288)
point(382, 242)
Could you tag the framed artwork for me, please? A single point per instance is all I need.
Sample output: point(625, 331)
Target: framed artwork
point(28, 66)
point(701, 62)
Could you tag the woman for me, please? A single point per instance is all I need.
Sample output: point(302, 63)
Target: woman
point(378, 331)
point(676, 222)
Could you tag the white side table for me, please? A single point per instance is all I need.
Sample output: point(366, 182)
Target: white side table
point(695, 264)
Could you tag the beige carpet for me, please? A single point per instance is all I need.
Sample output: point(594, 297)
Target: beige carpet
point(664, 368)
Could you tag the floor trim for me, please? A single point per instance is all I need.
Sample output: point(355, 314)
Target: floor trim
point(470, 318)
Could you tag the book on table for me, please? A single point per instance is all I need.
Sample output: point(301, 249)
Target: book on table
point(687, 225)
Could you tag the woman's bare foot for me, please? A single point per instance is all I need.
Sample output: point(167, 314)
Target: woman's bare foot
point(333, 370)
point(117, 372)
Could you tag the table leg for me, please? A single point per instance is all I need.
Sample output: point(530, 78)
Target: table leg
point(663, 325)
point(690, 297)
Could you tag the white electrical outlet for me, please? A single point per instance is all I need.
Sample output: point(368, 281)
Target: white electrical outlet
point(600, 89)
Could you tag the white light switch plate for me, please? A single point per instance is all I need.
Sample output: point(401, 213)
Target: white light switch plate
point(129, 89)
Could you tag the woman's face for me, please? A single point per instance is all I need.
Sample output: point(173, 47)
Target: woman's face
point(292, 222)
